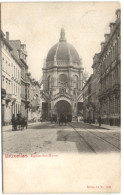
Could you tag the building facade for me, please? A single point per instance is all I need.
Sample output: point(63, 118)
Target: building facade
point(34, 107)
point(19, 50)
point(96, 87)
point(11, 81)
point(88, 104)
point(101, 93)
point(19, 93)
point(62, 79)
point(110, 62)
point(91, 104)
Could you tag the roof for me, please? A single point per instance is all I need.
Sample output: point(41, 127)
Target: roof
point(63, 51)
point(16, 45)
point(6, 41)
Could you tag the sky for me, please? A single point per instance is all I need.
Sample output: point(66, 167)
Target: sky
point(38, 25)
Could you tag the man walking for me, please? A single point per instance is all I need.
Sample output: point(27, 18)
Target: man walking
point(99, 121)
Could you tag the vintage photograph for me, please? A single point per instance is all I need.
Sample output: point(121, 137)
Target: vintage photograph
point(61, 96)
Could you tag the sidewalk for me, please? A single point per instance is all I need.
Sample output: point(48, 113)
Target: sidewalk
point(9, 127)
point(107, 126)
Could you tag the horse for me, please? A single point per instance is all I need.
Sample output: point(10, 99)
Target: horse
point(62, 119)
point(54, 119)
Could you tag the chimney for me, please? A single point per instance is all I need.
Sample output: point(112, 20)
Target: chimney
point(95, 58)
point(106, 37)
point(7, 36)
point(118, 13)
point(102, 45)
point(111, 25)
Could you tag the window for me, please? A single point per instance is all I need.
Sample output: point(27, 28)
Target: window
point(18, 74)
point(18, 91)
point(9, 87)
point(3, 82)
point(104, 64)
point(119, 45)
point(111, 55)
point(6, 85)
point(14, 71)
point(115, 49)
point(14, 89)
point(9, 69)
point(49, 82)
point(3, 64)
point(76, 81)
point(6, 67)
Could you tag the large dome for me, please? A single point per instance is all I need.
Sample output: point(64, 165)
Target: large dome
point(63, 51)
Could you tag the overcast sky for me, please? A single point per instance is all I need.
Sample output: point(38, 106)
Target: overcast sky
point(39, 24)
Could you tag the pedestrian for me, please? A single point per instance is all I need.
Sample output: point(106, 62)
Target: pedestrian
point(96, 121)
point(111, 122)
point(99, 121)
point(13, 120)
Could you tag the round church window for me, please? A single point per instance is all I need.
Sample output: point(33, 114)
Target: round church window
point(63, 78)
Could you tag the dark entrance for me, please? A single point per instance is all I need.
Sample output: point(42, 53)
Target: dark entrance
point(63, 107)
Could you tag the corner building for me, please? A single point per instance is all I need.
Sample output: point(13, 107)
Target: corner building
point(62, 79)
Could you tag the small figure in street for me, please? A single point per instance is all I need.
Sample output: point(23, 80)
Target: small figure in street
point(57, 119)
point(111, 122)
point(96, 121)
point(19, 120)
point(13, 120)
point(99, 121)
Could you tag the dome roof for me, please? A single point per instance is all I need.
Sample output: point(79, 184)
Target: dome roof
point(63, 51)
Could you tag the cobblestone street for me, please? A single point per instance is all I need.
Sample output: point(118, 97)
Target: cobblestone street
point(52, 138)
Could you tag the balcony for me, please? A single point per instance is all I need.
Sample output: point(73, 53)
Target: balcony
point(8, 97)
point(28, 100)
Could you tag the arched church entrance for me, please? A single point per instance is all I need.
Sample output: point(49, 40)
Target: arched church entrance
point(63, 107)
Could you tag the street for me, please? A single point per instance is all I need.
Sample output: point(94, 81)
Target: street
point(52, 138)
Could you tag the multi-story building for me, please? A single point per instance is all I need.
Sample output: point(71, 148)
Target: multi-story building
point(96, 87)
point(20, 93)
point(11, 81)
point(101, 93)
point(90, 91)
point(110, 62)
point(19, 50)
point(34, 107)
point(88, 104)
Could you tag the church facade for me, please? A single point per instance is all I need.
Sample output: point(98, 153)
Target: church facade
point(62, 79)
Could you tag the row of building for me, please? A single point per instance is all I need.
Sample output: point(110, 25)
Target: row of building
point(20, 93)
point(101, 93)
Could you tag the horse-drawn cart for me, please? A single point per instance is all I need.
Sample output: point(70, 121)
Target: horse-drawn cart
point(62, 119)
point(19, 122)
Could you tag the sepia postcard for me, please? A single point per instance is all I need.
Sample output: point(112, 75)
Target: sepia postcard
point(61, 97)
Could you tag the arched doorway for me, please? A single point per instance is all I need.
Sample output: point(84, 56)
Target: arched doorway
point(63, 107)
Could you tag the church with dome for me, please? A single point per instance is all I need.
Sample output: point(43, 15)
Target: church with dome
point(62, 80)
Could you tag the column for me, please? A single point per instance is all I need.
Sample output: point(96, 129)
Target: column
point(55, 77)
point(80, 80)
